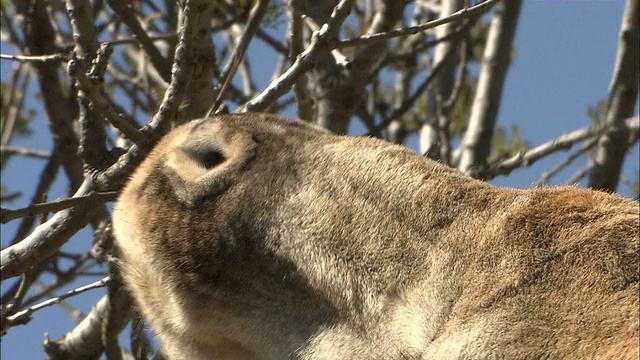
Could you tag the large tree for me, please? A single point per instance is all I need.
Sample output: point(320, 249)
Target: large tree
point(112, 77)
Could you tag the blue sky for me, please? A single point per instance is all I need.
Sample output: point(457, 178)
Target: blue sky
point(565, 53)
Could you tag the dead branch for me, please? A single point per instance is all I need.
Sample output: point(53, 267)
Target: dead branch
point(564, 142)
point(321, 42)
point(55, 206)
point(465, 13)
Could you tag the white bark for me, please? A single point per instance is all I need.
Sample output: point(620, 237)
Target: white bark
point(444, 82)
point(337, 89)
point(476, 144)
point(623, 93)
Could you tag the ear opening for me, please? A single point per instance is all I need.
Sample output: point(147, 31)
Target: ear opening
point(207, 160)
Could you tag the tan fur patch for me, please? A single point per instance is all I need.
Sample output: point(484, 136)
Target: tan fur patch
point(250, 236)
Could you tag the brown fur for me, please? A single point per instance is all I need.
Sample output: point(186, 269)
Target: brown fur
point(303, 244)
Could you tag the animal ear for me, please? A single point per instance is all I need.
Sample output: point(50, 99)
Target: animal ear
point(204, 161)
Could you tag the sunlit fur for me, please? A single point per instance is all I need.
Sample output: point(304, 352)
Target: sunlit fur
point(292, 242)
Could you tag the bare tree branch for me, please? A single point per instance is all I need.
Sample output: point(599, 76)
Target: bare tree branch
point(321, 42)
point(120, 121)
point(24, 316)
point(199, 94)
point(37, 58)
point(85, 341)
point(339, 57)
point(45, 181)
point(257, 12)
point(181, 71)
point(110, 322)
point(84, 31)
point(476, 144)
point(55, 206)
point(11, 112)
point(125, 12)
point(46, 239)
point(547, 175)
point(579, 175)
point(420, 89)
point(12, 150)
point(232, 37)
point(92, 131)
point(339, 88)
point(462, 14)
point(296, 42)
point(39, 37)
point(564, 142)
point(443, 83)
point(623, 94)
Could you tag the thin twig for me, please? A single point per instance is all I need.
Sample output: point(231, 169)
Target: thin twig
point(8, 22)
point(11, 112)
point(408, 103)
point(174, 36)
point(125, 12)
point(303, 99)
point(253, 24)
point(25, 284)
point(62, 278)
point(564, 142)
point(36, 58)
point(465, 13)
point(448, 104)
point(322, 41)
point(76, 314)
point(120, 121)
point(57, 205)
point(274, 43)
point(547, 175)
point(46, 239)
point(579, 175)
point(129, 41)
point(22, 317)
point(233, 36)
point(420, 48)
point(45, 181)
point(85, 340)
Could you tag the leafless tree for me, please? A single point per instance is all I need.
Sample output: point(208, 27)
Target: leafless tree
point(114, 76)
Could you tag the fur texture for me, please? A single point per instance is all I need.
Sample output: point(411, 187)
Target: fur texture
point(251, 236)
